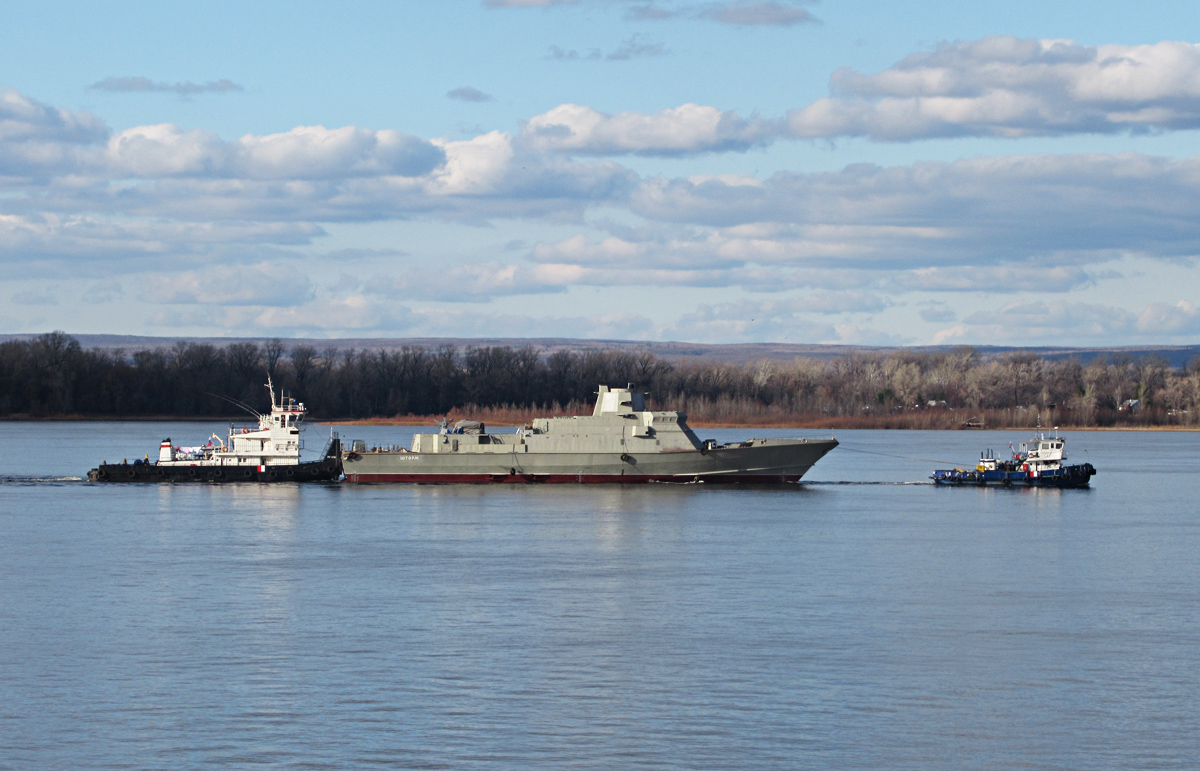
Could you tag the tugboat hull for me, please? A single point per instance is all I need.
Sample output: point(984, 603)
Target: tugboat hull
point(325, 470)
point(1067, 477)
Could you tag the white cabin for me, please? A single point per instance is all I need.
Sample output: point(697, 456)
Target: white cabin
point(1044, 452)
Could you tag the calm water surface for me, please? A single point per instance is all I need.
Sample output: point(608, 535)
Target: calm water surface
point(827, 625)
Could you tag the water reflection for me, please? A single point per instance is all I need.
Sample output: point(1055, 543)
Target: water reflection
point(831, 626)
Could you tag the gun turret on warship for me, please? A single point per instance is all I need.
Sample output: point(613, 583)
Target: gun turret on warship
point(269, 453)
point(621, 442)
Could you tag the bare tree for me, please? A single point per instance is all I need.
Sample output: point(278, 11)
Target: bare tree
point(272, 353)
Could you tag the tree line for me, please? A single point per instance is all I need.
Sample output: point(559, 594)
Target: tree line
point(52, 375)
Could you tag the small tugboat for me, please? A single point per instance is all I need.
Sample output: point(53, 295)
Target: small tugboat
point(1039, 463)
point(270, 453)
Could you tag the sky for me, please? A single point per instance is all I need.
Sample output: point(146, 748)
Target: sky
point(715, 171)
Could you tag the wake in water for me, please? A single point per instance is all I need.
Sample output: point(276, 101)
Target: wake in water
point(831, 482)
point(31, 479)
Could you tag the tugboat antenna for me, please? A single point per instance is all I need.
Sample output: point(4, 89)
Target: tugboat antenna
point(236, 403)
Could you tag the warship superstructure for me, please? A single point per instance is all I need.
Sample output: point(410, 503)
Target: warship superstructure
point(269, 453)
point(621, 442)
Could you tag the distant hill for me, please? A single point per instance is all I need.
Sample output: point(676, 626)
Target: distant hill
point(732, 353)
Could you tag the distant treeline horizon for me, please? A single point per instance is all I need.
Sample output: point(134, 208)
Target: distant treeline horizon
point(53, 375)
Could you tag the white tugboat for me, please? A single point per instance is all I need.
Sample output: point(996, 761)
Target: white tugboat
point(269, 453)
point(1039, 463)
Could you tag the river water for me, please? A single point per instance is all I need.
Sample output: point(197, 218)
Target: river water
point(864, 620)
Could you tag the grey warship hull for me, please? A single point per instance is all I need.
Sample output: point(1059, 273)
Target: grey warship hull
point(762, 461)
point(621, 442)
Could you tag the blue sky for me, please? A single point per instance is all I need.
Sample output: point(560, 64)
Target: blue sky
point(706, 170)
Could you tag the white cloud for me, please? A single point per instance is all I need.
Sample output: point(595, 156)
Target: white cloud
point(836, 303)
point(632, 48)
point(1030, 276)
point(37, 139)
point(263, 285)
point(157, 198)
point(616, 254)
point(1010, 87)
point(323, 316)
point(50, 236)
point(22, 119)
point(183, 89)
point(1182, 318)
point(1064, 322)
point(993, 87)
point(305, 152)
point(103, 292)
point(748, 320)
point(756, 13)
point(478, 282)
point(1043, 321)
point(38, 296)
point(773, 13)
point(468, 94)
point(936, 312)
point(1059, 209)
point(526, 3)
point(475, 165)
point(688, 128)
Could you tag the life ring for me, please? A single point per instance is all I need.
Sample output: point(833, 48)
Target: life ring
point(245, 430)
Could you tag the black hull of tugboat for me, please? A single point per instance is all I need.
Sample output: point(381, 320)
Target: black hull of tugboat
point(319, 471)
point(328, 469)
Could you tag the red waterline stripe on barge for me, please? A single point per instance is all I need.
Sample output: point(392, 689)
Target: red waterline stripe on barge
point(628, 479)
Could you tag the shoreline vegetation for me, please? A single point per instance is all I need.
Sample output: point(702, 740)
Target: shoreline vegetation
point(52, 377)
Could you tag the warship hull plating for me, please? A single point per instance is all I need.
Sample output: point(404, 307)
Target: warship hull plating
point(770, 461)
point(620, 443)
